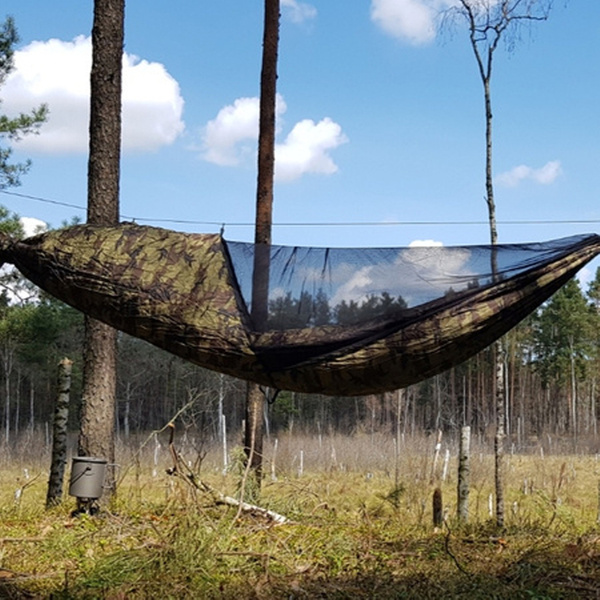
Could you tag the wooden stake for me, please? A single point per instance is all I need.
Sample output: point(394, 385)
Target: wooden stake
point(438, 510)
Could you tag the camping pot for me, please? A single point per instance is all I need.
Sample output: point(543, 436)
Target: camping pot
point(87, 477)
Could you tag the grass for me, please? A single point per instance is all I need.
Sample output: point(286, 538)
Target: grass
point(354, 531)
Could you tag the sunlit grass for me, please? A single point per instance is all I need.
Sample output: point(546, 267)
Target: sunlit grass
point(360, 526)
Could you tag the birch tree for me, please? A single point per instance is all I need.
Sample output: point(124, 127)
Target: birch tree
point(488, 22)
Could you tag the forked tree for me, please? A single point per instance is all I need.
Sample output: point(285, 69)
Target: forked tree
point(489, 22)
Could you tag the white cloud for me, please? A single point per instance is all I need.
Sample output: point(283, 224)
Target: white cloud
point(18, 290)
point(298, 12)
point(306, 148)
point(585, 276)
point(544, 175)
point(413, 21)
point(225, 137)
point(232, 136)
point(419, 274)
point(33, 226)
point(57, 73)
point(424, 243)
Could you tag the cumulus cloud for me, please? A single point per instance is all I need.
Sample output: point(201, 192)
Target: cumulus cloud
point(231, 137)
point(544, 175)
point(306, 149)
point(57, 73)
point(232, 134)
point(413, 21)
point(419, 274)
point(298, 12)
point(32, 226)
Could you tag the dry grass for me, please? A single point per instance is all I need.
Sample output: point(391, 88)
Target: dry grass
point(353, 532)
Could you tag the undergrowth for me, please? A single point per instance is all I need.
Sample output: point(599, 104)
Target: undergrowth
point(350, 534)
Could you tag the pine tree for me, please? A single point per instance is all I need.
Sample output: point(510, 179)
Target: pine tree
point(563, 343)
point(13, 129)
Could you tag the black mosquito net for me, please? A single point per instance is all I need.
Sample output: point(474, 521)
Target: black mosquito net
point(311, 287)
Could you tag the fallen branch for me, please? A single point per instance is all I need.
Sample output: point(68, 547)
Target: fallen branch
point(21, 539)
point(179, 469)
point(248, 508)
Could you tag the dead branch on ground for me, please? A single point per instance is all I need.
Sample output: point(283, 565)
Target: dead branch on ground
point(180, 469)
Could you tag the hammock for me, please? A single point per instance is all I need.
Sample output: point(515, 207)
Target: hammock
point(340, 321)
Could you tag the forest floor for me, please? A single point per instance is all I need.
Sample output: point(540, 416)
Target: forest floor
point(350, 533)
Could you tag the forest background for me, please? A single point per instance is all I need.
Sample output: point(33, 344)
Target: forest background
point(552, 362)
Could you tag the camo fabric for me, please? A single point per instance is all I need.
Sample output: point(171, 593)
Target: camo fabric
point(181, 293)
point(169, 288)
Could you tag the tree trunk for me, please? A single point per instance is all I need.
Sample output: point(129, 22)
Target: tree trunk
point(59, 436)
point(253, 439)
point(7, 364)
point(463, 474)
point(487, 22)
point(500, 379)
point(500, 433)
point(31, 407)
point(574, 424)
point(98, 393)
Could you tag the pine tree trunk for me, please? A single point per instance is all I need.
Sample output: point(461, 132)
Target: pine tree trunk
point(253, 439)
point(98, 394)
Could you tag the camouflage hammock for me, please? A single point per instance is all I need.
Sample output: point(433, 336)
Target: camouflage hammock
point(335, 321)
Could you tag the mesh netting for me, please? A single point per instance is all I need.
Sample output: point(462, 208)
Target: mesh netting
point(310, 287)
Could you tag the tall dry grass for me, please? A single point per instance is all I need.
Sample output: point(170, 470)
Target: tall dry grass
point(360, 524)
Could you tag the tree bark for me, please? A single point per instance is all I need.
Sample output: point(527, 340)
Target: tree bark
point(253, 438)
point(463, 474)
point(438, 507)
point(59, 436)
point(105, 112)
point(500, 432)
point(99, 378)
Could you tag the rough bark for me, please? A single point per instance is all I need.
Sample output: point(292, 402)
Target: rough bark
point(98, 394)
point(105, 112)
point(253, 439)
point(96, 437)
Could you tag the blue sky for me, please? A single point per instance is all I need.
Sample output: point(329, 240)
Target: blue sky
point(380, 120)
